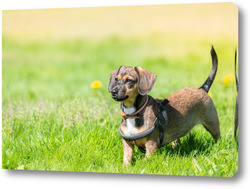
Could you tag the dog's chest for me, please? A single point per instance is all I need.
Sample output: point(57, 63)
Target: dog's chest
point(130, 122)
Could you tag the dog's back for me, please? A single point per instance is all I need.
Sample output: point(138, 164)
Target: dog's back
point(191, 106)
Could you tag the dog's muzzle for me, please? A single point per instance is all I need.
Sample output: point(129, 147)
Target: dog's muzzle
point(115, 91)
point(118, 94)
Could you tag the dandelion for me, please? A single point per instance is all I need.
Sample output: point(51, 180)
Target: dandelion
point(96, 84)
point(209, 94)
point(228, 80)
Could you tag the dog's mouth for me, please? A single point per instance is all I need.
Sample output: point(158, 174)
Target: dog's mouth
point(117, 98)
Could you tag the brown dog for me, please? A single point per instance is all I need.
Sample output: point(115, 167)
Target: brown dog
point(151, 123)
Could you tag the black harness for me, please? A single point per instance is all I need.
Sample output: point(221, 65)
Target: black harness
point(158, 123)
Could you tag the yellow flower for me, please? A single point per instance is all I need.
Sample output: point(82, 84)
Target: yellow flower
point(96, 84)
point(209, 94)
point(228, 80)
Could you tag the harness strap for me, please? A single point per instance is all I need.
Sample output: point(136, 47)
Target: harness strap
point(138, 135)
point(158, 123)
point(134, 115)
point(161, 119)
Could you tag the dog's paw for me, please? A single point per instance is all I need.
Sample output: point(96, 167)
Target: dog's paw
point(126, 164)
point(176, 143)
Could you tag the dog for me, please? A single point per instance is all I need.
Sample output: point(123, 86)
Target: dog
point(152, 123)
point(237, 98)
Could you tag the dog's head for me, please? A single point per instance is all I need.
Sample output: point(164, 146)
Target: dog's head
point(127, 82)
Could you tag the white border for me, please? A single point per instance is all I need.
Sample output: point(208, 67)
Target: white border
point(33, 179)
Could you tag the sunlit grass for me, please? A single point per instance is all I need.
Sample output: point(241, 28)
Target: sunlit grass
point(54, 120)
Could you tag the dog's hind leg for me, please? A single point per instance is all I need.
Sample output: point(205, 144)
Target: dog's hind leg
point(214, 129)
point(176, 143)
point(211, 123)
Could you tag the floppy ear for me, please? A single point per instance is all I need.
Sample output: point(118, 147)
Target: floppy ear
point(112, 78)
point(145, 81)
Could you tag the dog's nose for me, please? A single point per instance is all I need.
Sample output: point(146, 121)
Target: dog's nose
point(114, 90)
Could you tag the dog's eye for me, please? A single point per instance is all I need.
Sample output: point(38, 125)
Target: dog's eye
point(129, 80)
point(116, 79)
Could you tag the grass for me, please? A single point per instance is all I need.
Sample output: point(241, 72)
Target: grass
point(53, 120)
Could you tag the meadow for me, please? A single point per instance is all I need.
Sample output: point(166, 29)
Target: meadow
point(54, 120)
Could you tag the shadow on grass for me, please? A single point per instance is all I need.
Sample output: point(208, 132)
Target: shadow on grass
point(191, 145)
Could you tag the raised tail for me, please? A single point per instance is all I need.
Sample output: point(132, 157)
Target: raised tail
point(206, 86)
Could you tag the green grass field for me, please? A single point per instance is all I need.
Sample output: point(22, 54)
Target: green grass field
point(53, 120)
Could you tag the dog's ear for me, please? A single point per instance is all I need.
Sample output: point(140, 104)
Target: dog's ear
point(145, 81)
point(112, 78)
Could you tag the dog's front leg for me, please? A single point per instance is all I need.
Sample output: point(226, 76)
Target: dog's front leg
point(151, 147)
point(128, 150)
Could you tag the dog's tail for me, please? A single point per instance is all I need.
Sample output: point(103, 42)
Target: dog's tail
point(235, 66)
point(206, 86)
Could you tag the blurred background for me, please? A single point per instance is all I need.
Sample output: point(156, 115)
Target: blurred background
point(55, 53)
